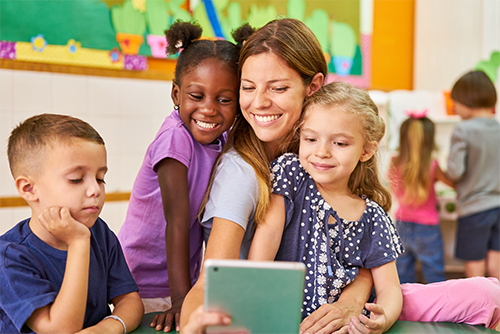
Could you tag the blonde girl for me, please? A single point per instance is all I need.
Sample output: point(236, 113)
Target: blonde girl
point(412, 174)
point(328, 208)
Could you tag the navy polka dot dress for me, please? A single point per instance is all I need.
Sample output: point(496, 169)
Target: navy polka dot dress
point(368, 243)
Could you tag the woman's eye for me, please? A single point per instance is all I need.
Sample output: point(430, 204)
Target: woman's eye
point(101, 181)
point(280, 89)
point(246, 88)
point(75, 180)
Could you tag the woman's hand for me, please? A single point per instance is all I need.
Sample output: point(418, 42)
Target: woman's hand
point(199, 320)
point(330, 318)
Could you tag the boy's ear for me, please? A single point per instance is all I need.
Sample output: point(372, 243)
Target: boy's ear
point(369, 151)
point(25, 188)
point(175, 94)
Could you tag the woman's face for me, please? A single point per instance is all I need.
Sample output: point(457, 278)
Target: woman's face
point(271, 97)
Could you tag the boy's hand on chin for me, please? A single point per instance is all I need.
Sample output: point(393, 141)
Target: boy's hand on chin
point(59, 222)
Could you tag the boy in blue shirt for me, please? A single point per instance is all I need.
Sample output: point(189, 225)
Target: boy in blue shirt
point(60, 269)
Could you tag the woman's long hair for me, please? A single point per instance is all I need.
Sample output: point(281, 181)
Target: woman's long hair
point(295, 43)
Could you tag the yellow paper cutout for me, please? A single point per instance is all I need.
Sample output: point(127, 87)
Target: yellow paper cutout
point(59, 54)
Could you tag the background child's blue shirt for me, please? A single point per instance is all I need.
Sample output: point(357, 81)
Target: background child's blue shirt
point(31, 274)
point(368, 243)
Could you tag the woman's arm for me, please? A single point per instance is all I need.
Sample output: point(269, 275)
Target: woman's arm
point(389, 302)
point(336, 316)
point(224, 243)
point(172, 178)
point(267, 237)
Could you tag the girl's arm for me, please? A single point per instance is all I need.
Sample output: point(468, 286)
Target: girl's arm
point(172, 178)
point(224, 243)
point(441, 176)
point(336, 316)
point(267, 237)
point(389, 303)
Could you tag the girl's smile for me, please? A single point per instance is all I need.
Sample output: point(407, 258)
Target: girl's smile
point(207, 98)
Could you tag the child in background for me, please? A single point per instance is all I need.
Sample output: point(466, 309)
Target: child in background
point(60, 268)
point(412, 175)
point(161, 236)
point(474, 165)
point(329, 206)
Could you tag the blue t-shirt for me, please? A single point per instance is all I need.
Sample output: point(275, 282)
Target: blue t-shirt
point(31, 274)
point(368, 243)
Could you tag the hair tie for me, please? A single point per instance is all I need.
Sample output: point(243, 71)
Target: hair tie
point(417, 114)
point(178, 45)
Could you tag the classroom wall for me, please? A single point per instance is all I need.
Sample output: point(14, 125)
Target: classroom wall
point(126, 112)
point(451, 37)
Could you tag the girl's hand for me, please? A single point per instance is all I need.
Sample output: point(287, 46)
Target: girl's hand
point(169, 318)
point(329, 318)
point(199, 320)
point(373, 325)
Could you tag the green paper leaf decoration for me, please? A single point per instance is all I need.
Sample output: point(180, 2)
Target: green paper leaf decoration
point(490, 67)
point(258, 17)
point(156, 16)
point(318, 22)
point(343, 41)
point(296, 9)
point(126, 19)
point(201, 17)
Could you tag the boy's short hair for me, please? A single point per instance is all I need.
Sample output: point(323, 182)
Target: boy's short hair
point(30, 138)
point(475, 90)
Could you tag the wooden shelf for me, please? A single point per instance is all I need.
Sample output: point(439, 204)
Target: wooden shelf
point(158, 69)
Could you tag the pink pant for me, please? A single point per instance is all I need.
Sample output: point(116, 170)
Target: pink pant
point(475, 301)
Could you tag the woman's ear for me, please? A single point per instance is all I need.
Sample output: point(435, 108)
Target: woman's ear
point(315, 84)
point(369, 151)
point(25, 188)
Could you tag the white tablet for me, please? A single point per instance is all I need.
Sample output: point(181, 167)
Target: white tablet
point(260, 297)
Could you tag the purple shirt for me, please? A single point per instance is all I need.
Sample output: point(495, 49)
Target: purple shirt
point(142, 235)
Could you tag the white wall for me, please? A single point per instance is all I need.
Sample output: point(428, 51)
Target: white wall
point(451, 36)
point(126, 112)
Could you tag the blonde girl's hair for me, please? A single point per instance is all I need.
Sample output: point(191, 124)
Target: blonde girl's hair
point(365, 179)
point(416, 144)
point(295, 43)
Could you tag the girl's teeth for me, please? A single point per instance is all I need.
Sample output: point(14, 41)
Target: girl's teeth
point(206, 125)
point(266, 118)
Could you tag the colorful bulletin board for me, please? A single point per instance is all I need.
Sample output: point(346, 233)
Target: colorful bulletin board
point(127, 34)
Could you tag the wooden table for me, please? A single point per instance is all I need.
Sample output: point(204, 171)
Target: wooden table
point(400, 327)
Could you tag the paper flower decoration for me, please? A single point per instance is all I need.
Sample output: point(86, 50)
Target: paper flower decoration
point(139, 5)
point(38, 42)
point(114, 55)
point(73, 46)
point(416, 113)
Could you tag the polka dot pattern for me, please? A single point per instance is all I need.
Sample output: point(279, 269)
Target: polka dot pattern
point(370, 242)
